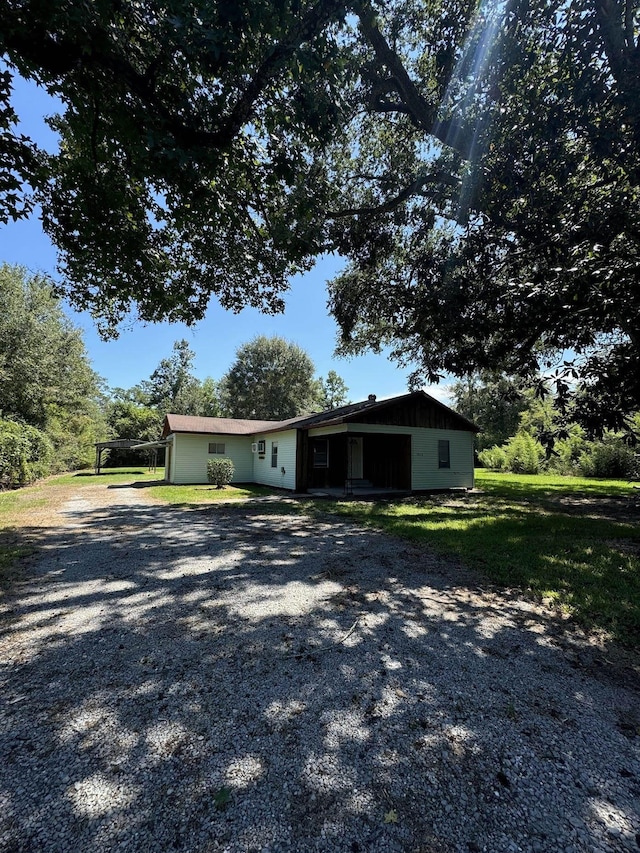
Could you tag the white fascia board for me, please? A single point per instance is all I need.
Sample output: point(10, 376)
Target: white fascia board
point(328, 430)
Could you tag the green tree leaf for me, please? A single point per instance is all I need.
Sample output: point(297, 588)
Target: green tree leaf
point(270, 379)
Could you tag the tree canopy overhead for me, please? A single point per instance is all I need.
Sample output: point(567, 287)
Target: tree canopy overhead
point(477, 166)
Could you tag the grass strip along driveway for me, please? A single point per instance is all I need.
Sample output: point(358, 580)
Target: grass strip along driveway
point(572, 541)
point(22, 511)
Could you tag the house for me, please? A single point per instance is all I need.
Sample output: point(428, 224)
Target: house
point(411, 443)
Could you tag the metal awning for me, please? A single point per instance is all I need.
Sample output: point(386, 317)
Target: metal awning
point(118, 444)
point(127, 444)
point(150, 445)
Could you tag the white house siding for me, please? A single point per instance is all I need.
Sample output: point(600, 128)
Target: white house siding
point(191, 453)
point(425, 473)
point(169, 466)
point(263, 473)
point(173, 458)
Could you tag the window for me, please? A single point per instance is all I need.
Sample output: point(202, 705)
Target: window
point(274, 454)
point(216, 447)
point(262, 444)
point(444, 460)
point(321, 453)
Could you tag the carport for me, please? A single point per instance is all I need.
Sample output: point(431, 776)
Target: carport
point(128, 444)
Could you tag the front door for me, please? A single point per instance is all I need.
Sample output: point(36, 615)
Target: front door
point(355, 467)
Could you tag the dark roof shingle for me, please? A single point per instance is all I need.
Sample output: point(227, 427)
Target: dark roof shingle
point(216, 426)
point(239, 426)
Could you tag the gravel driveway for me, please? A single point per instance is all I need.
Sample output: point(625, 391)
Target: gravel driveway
point(234, 679)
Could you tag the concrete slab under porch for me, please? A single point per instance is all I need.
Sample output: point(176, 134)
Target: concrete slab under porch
point(357, 493)
point(367, 493)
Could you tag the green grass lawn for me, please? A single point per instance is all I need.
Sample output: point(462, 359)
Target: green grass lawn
point(201, 494)
point(15, 506)
point(575, 542)
point(526, 486)
point(108, 476)
point(155, 487)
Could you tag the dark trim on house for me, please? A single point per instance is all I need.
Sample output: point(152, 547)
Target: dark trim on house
point(416, 409)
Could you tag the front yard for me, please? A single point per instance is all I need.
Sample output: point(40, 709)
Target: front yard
point(570, 541)
point(574, 543)
point(255, 675)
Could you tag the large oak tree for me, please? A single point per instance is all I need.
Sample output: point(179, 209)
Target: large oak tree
point(476, 166)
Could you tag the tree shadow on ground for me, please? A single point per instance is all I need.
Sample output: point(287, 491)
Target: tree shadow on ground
point(540, 488)
point(586, 563)
point(117, 472)
point(234, 679)
point(138, 484)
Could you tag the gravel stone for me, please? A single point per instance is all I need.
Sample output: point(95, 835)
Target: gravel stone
point(235, 679)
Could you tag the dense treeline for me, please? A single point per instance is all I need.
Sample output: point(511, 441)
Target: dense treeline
point(54, 407)
point(51, 401)
point(525, 433)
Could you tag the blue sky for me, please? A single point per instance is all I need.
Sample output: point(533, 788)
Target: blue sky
point(135, 354)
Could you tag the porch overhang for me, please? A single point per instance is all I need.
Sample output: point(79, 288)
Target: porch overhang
point(321, 432)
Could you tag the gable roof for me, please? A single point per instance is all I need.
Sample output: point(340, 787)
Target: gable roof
point(345, 414)
point(217, 426)
point(331, 417)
